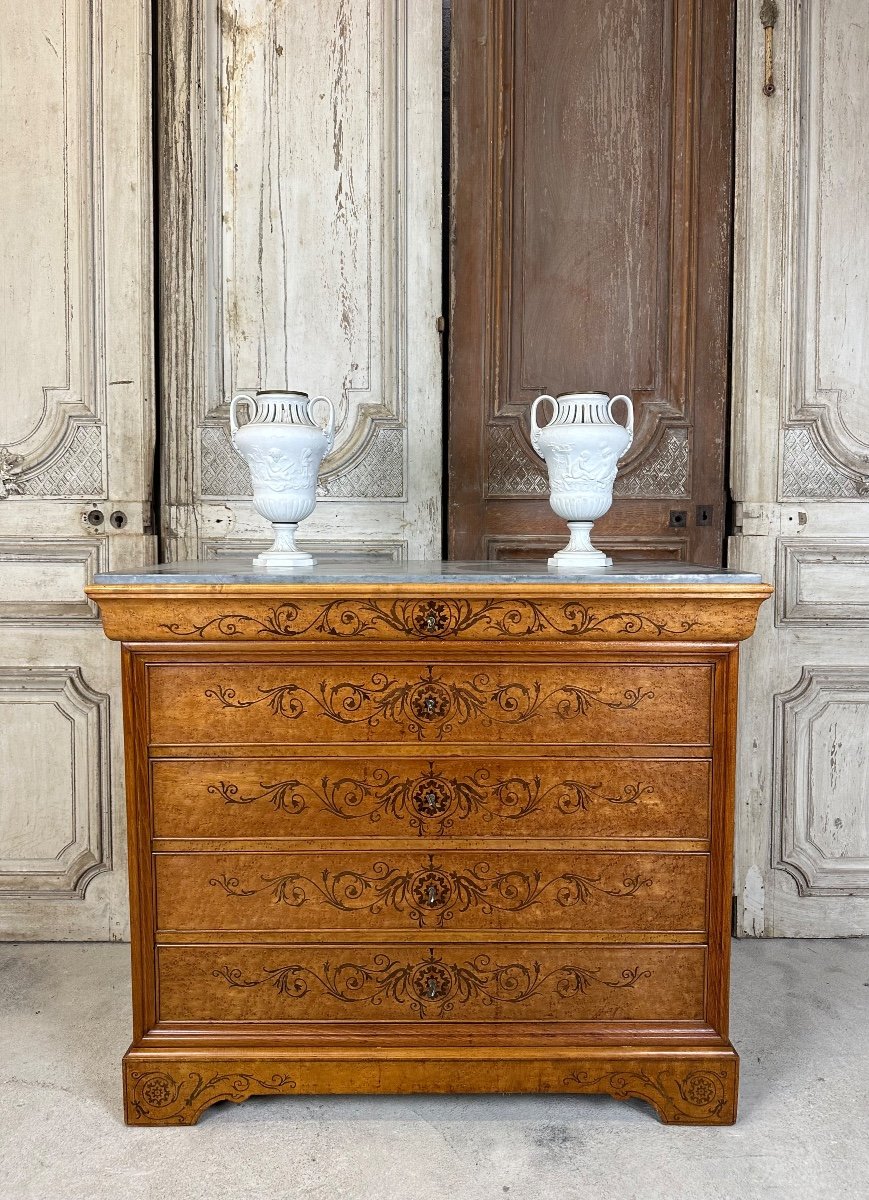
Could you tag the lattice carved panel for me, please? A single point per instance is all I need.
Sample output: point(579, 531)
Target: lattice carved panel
point(660, 474)
point(808, 473)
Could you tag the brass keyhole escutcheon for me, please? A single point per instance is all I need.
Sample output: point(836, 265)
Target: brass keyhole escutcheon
point(431, 800)
point(430, 705)
point(432, 989)
point(431, 622)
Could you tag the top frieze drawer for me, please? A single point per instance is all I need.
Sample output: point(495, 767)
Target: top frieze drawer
point(544, 703)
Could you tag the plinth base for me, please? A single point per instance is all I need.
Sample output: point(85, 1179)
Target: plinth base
point(685, 1087)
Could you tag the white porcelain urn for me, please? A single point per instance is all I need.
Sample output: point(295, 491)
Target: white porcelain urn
point(284, 447)
point(582, 445)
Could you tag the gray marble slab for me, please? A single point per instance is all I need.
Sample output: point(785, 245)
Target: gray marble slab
point(332, 569)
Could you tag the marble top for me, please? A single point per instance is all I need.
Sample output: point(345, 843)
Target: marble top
point(333, 569)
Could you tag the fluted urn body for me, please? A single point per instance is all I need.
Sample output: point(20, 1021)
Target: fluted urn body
point(283, 447)
point(581, 445)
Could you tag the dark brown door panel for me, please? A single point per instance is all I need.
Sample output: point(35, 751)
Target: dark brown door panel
point(591, 209)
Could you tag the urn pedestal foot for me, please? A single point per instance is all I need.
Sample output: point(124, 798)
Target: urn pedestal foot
point(579, 554)
point(284, 552)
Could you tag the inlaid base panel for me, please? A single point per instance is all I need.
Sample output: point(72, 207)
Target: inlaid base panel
point(685, 1087)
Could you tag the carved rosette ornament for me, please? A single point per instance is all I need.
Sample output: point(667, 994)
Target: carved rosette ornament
point(681, 1093)
point(158, 1098)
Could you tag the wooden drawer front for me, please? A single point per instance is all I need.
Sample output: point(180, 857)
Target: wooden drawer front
point(405, 702)
point(312, 797)
point(400, 982)
point(400, 891)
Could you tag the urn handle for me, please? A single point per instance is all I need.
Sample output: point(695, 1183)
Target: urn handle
point(329, 428)
point(249, 400)
point(629, 424)
point(535, 428)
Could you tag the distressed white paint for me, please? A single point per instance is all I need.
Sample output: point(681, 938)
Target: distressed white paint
point(800, 470)
point(311, 143)
point(76, 434)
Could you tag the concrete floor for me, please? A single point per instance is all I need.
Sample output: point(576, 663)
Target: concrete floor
point(800, 1021)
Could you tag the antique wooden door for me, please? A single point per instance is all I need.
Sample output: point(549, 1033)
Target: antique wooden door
point(76, 445)
point(591, 185)
point(299, 186)
point(801, 468)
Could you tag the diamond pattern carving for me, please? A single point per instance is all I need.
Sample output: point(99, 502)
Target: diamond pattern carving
point(224, 471)
point(808, 475)
point(378, 476)
point(511, 471)
point(663, 474)
point(76, 472)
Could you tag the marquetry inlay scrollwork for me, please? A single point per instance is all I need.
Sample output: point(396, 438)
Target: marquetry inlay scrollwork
point(432, 618)
point(160, 1098)
point(432, 986)
point(433, 801)
point(430, 706)
point(676, 1091)
point(431, 895)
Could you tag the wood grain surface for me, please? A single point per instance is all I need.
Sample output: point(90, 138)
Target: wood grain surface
point(388, 890)
point(502, 795)
point(468, 862)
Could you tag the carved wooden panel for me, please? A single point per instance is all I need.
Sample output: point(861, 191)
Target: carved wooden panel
point(591, 228)
point(822, 814)
point(822, 580)
point(54, 729)
point(301, 249)
point(828, 353)
point(76, 442)
point(800, 470)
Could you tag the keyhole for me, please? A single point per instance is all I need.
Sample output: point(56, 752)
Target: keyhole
point(431, 800)
point(430, 705)
point(431, 622)
point(432, 895)
point(118, 519)
point(432, 989)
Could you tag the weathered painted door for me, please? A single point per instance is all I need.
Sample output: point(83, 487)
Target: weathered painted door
point(591, 182)
point(76, 442)
point(299, 244)
point(801, 468)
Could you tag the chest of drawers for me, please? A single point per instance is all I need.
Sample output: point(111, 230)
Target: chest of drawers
point(437, 828)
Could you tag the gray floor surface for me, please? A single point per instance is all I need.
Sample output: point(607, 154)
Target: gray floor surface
point(800, 1022)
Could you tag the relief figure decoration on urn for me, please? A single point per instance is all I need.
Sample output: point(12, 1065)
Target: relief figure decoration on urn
point(581, 446)
point(283, 446)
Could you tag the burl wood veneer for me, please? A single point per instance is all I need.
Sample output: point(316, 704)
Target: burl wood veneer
point(434, 830)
